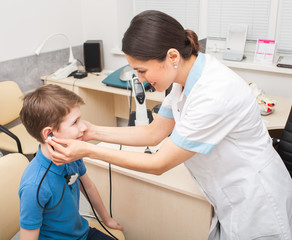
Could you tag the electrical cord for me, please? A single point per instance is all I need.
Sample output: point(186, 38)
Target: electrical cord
point(130, 107)
point(68, 177)
point(95, 212)
point(110, 182)
point(66, 181)
point(80, 62)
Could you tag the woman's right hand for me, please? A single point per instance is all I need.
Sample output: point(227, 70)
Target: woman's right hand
point(90, 133)
point(63, 151)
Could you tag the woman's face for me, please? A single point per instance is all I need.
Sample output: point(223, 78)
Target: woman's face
point(159, 74)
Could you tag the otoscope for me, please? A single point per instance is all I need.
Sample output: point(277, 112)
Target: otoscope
point(140, 99)
point(142, 116)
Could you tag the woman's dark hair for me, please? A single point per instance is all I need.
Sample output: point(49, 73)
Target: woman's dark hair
point(152, 33)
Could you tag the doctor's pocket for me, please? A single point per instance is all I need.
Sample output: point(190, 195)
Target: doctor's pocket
point(252, 216)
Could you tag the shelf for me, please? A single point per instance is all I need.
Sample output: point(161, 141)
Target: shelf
point(249, 64)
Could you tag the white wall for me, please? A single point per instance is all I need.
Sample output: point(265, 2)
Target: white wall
point(100, 21)
point(25, 24)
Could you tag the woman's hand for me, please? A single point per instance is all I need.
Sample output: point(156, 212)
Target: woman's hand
point(66, 150)
point(89, 134)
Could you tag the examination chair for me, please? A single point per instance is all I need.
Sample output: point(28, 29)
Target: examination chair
point(15, 138)
point(11, 168)
point(284, 144)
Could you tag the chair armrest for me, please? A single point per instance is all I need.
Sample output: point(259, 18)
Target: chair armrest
point(10, 134)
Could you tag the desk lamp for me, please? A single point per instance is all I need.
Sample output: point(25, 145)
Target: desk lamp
point(68, 68)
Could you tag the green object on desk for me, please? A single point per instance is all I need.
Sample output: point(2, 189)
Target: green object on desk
point(114, 80)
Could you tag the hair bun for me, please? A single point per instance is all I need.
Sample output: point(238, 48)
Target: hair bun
point(192, 39)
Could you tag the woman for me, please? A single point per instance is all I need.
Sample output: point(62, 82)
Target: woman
point(215, 127)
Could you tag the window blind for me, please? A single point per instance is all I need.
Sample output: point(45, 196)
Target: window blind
point(184, 11)
point(222, 13)
point(284, 40)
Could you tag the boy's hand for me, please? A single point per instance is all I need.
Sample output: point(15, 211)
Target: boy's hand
point(111, 223)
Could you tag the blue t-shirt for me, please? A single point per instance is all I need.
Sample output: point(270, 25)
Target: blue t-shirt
point(63, 222)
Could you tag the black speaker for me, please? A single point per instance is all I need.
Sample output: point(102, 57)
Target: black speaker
point(93, 55)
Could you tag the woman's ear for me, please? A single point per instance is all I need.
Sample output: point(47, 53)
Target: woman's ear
point(46, 132)
point(173, 56)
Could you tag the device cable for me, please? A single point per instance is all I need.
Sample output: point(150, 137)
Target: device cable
point(93, 210)
point(110, 183)
point(40, 187)
point(130, 108)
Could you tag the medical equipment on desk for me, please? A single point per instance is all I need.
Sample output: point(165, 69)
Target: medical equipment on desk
point(140, 99)
point(142, 115)
point(235, 42)
point(266, 104)
point(121, 78)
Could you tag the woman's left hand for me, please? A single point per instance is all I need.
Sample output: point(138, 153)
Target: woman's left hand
point(66, 150)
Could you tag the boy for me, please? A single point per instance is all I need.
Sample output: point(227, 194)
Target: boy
point(46, 212)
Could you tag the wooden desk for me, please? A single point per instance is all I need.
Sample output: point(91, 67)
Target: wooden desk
point(278, 119)
point(169, 206)
point(104, 103)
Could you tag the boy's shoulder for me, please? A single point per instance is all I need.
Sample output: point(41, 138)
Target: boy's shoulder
point(35, 170)
point(31, 173)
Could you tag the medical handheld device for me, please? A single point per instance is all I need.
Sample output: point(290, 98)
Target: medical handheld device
point(140, 99)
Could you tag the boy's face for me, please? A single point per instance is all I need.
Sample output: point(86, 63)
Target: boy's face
point(72, 127)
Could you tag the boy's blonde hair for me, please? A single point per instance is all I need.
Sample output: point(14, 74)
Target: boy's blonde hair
point(47, 106)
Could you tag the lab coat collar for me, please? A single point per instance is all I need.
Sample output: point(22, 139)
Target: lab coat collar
point(195, 73)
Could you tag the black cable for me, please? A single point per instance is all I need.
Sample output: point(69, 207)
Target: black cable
point(80, 62)
point(40, 187)
point(95, 212)
point(110, 182)
point(66, 181)
point(131, 100)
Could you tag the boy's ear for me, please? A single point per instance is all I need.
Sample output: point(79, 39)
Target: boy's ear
point(46, 132)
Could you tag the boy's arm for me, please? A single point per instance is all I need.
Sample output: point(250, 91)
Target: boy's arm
point(26, 234)
point(97, 203)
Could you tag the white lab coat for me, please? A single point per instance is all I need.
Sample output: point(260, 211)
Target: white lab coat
point(235, 164)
